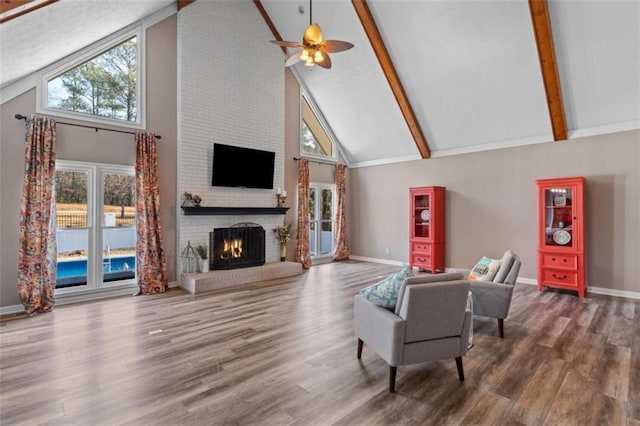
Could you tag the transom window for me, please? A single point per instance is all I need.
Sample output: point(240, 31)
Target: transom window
point(101, 84)
point(314, 139)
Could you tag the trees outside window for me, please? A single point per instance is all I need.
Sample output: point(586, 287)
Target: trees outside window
point(314, 139)
point(105, 86)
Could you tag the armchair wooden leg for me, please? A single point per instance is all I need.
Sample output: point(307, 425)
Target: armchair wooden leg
point(392, 379)
point(460, 369)
point(501, 327)
point(359, 348)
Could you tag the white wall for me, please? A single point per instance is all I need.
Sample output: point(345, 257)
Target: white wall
point(231, 91)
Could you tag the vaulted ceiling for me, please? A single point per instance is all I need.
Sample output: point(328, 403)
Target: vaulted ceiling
point(452, 76)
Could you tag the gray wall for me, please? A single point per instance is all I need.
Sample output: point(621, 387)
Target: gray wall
point(74, 143)
point(491, 204)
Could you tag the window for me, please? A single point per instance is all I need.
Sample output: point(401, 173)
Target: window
point(321, 217)
point(95, 226)
point(103, 84)
point(314, 139)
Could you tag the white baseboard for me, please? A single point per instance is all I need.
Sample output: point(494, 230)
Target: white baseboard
point(593, 290)
point(521, 280)
point(613, 292)
point(376, 260)
point(75, 298)
point(13, 309)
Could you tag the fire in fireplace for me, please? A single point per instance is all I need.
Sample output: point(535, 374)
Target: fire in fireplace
point(237, 246)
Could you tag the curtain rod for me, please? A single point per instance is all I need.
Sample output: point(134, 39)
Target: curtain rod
point(23, 117)
point(324, 163)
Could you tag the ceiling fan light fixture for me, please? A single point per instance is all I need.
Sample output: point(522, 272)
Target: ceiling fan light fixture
point(313, 49)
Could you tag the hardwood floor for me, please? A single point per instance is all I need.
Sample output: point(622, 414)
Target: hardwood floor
point(284, 353)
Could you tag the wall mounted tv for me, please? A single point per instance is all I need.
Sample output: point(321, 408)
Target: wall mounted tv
point(239, 167)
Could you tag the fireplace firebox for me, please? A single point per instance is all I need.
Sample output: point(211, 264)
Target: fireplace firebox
point(237, 246)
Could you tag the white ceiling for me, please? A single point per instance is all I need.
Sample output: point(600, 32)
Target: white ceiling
point(470, 68)
point(39, 38)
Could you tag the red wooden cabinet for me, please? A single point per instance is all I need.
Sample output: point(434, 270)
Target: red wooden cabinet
point(561, 234)
point(426, 234)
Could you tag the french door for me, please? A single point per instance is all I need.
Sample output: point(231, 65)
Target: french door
point(95, 226)
point(321, 219)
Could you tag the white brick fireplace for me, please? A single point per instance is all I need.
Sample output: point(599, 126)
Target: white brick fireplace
point(231, 91)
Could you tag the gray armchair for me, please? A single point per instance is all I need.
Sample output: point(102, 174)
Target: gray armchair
point(430, 323)
point(493, 299)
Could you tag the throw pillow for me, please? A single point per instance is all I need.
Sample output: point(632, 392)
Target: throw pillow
point(485, 270)
point(385, 292)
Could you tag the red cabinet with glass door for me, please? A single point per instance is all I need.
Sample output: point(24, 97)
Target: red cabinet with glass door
point(426, 235)
point(561, 238)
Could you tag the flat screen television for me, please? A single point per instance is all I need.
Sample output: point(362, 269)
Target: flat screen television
point(239, 167)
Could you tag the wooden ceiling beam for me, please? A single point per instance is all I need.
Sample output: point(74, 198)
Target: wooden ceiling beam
point(546, 53)
point(371, 29)
point(270, 24)
point(184, 3)
point(8, 5)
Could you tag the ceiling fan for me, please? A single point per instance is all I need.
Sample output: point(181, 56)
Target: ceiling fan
point(313, 49)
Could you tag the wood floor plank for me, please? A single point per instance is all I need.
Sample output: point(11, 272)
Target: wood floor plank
point(283, 352)
point(532, 406)
point(633, 409)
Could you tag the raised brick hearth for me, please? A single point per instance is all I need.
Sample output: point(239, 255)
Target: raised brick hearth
point(198, 283)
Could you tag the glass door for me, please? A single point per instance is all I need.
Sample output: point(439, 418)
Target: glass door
point(422, 215)
point(74, 225)
point(321, 216)
point(95, 234)
point(118, 225)
point(558, 216)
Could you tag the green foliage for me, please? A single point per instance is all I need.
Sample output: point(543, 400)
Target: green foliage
point(104, 86)
point(202, 252)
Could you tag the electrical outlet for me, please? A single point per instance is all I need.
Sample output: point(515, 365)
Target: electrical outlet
point(387, 250)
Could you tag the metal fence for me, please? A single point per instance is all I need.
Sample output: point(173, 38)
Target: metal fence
point(79, 220)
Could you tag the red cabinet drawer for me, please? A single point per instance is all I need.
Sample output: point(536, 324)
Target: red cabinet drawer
point(422, 260)
point(421, 248)
point(563, 278)
point(560, 261)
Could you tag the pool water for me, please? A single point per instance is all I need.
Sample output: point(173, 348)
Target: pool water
point(78, 268)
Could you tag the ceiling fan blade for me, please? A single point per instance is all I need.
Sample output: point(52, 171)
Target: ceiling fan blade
point(325, 62)
point(293, 59)
point(333, 46)
point(292, 44)
point(312, 35)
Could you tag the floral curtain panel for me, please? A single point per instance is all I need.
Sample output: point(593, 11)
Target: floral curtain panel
point(37, 258)
point(302, 237)
point(340, 237)
point(151, 263)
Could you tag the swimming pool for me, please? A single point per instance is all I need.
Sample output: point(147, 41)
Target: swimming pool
point(78, 267)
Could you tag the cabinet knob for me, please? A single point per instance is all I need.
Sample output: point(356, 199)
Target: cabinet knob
point(564, 260)
point(553, 259)
point(564, 277)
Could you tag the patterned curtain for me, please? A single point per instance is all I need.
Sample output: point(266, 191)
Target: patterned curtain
point(302, 237)
point(37, 259)
point(151, 262)
point(340, 236)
